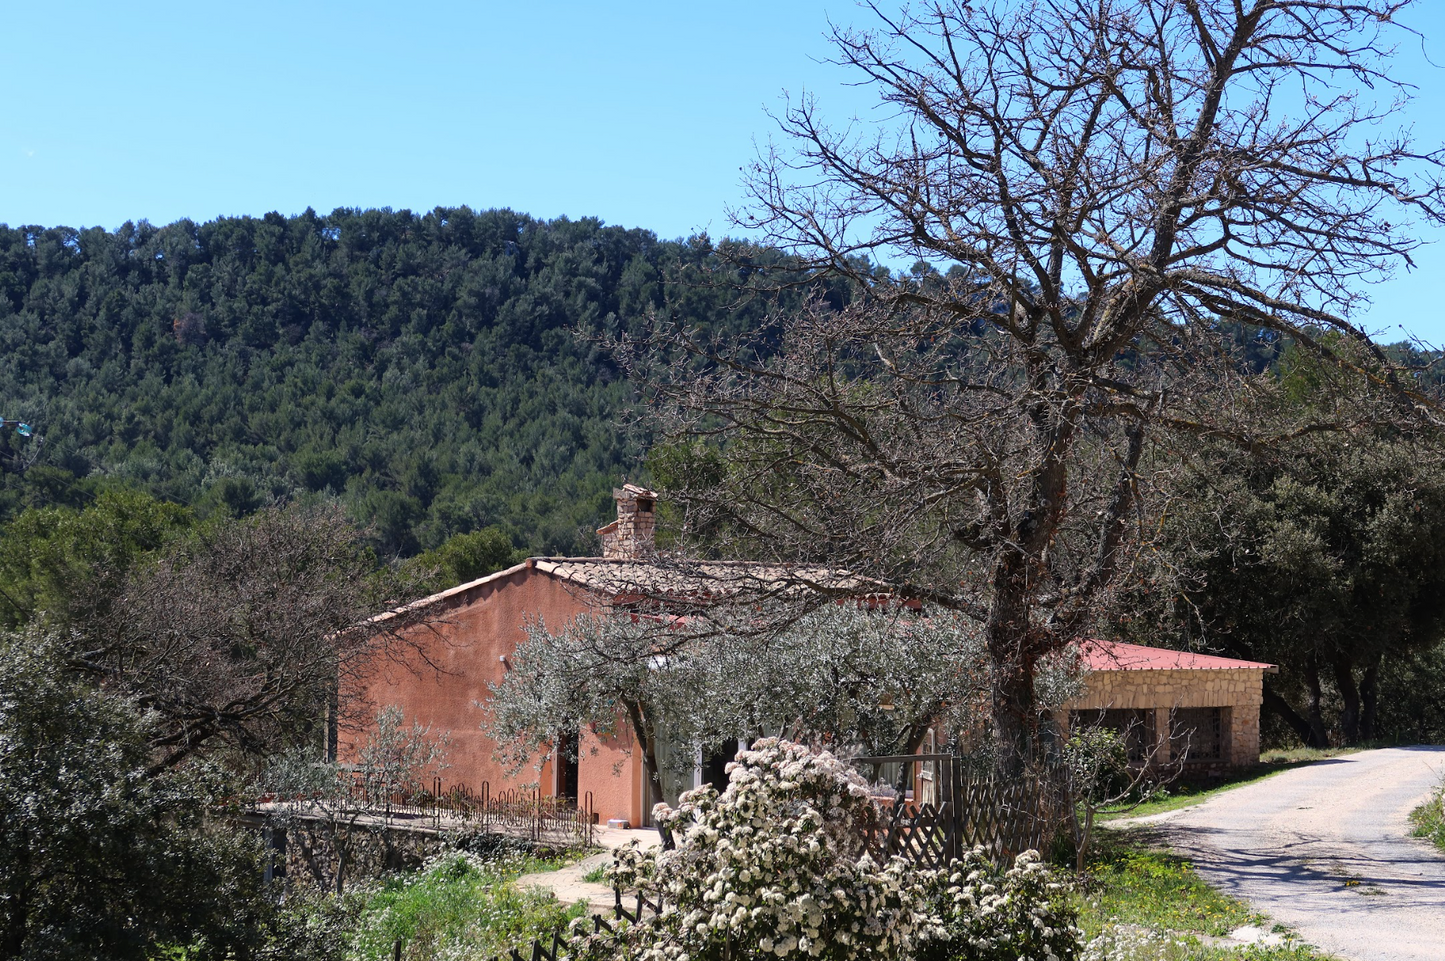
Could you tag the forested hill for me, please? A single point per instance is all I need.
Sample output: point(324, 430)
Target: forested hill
point(424, 368)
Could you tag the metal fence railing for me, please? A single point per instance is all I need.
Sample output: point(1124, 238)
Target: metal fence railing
point(545, 819)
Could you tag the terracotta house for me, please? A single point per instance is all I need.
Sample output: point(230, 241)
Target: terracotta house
point(1172, 704)
point(1167, 702)
point(476, 626)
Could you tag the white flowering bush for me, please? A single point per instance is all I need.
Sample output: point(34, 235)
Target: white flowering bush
point(774, 868)
point(979, 913)
point(771, 868)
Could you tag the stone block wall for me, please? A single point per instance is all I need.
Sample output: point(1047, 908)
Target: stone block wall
point(1237, 692)
point(631, 536)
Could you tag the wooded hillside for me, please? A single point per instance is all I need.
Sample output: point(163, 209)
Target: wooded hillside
point(432, 371)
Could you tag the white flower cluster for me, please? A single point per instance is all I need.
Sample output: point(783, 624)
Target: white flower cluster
point(774, 868)
point(983, 914)
point(1129, 942)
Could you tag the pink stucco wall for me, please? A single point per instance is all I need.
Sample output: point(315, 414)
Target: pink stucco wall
point(474, 628)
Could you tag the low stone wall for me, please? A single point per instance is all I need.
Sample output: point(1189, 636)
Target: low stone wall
point(310, 852)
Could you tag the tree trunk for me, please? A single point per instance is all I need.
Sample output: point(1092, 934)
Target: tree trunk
point(643, 730)
point(1319, 736)
point(341, 847)
point(1012, 652)
point(1013, 702)
point(1370, 699)
point(1288, 714)
point(1015, 642)
point(1345, 682)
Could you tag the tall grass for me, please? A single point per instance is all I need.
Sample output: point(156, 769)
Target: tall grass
point(1429, 819)
point(457, 907)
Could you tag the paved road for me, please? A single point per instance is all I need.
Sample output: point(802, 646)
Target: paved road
point(1326, 850)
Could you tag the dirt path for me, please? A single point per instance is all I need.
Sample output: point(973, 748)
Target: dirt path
point(567, 884)
point(1326, 850)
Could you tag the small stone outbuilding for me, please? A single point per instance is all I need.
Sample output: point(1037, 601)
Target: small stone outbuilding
point(1170, 705)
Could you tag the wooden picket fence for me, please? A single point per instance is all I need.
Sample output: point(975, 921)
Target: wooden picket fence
point(1002, 817)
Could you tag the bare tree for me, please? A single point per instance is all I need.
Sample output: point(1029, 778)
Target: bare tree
point(1099, 773)
point(1115, 188)
point(332, 808)
point(250, 634)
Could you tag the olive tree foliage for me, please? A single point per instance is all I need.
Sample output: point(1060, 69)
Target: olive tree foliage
point(1110, 187)
point(98, 857)
point(241, 635)
point(859, 680)
point(328, 808)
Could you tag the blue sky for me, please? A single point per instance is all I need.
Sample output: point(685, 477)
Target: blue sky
point(639, 113)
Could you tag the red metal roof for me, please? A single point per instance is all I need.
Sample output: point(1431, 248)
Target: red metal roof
point(1099, 655)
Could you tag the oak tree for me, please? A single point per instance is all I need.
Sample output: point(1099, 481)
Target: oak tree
point(1106, 187)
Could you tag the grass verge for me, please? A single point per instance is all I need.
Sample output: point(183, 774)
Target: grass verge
point(1140, 903)
point(459, 906)
point(1429, 819)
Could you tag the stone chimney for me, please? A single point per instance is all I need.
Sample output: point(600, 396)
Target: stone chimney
point(630, 537)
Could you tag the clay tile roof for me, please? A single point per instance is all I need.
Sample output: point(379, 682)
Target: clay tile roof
point(1099, 655)
point(696, 579)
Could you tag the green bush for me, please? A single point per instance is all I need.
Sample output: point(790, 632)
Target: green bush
point(457, 906)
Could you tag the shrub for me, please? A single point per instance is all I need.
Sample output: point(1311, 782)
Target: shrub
point(983, 914)
point(774, 867)
point(457, 906)
point(771, 868)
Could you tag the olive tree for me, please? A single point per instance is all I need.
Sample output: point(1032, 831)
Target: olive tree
point(863, 681)
point(330, 808)
point(1100, 194)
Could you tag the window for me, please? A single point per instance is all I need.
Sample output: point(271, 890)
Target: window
point(1197, 734)
point(1134, 726)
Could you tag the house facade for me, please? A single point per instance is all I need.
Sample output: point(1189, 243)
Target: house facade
point(1166, 703)
point(463, 650)
point(1198, 710)
point(472, 630)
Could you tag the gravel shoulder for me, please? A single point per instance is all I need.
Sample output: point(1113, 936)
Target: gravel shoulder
point(1326, 850)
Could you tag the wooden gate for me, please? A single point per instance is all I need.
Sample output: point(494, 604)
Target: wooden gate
point(1003, 817)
